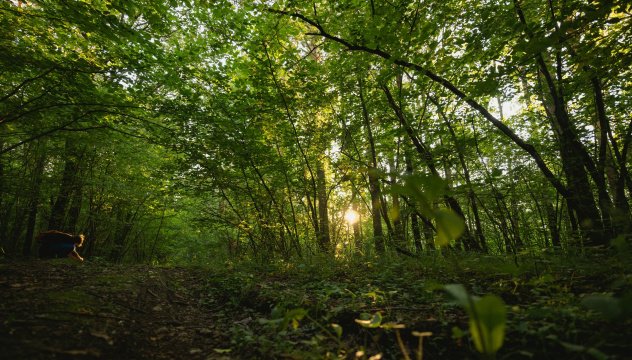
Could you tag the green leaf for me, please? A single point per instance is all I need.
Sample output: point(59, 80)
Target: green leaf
point(449, 226)
point(607, 305)
point(276, 313)
point(294, 316)
point(458, 294)
point(457, 333)
point(488, 320)
point(337, 329)
point(584, 349)
point(394, 213)
point(372, 323)
point(621, 244)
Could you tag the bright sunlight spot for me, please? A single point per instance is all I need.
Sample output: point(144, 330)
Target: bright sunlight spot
point(351, 216)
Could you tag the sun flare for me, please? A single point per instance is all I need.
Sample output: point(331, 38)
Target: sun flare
point(351, 216)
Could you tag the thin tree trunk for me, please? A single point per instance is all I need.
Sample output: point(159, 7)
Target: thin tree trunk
point(515, 222)
point(478, 233)
point(414, 222)
point(313, 180)
point(428, 232)
point(577, 160)
point(552, 220)
point(356, 227)
point(3, 213)
point(398, 236)
point(34, 204)
point(428, 159)
point(277, 206)
point(92, 234)
point(374, 185)
point(75, 208)
point(58, 219)
point(621, 215)
point(294, 240)
point(584, 206)
point(324, 240)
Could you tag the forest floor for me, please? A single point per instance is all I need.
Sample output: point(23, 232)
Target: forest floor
point(66, 309)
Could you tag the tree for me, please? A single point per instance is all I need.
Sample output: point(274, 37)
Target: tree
point(386, 32)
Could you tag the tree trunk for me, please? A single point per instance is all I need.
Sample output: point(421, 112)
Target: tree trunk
point(515, 222)
point(618, 209)
point(428, 234)
point(427, 157)
point(75, 208)
point(3, 213)
point(552, 220)
point(414, 222)
point(398, 235)
point(57, 219)
point(573, 234)
point(576, 162)
point(376, 210)
point(356, 228)
point(120, 237)
point(374, 185)
point(324, 240)
point(34, 204)
point(478, 233)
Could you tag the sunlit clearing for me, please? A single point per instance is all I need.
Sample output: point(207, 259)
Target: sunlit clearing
point(351, 216)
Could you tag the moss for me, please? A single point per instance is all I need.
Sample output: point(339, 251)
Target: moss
point(65, 304)
point(65, 262)
point(70, 300)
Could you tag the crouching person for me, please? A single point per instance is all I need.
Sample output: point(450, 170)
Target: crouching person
point(56, 244)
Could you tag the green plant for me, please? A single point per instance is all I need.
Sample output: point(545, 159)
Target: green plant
point(487, 318)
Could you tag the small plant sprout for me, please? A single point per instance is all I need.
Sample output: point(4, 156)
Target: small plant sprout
point(399, 337)
point(488, 318)
point(373, 323)
point(421, 335)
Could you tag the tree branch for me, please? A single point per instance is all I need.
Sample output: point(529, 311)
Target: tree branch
point(445, 84)
point(24, 83)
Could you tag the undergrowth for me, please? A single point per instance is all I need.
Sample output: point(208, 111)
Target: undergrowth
point(543, 306)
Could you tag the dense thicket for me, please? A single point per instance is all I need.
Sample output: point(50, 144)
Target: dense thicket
point(157, 128)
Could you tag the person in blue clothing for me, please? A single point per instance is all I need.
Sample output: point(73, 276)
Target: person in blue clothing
point(56, 244)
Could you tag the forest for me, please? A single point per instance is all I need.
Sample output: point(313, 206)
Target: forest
point(321, 179)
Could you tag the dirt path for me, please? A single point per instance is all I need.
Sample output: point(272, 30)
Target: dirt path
point(64, 309)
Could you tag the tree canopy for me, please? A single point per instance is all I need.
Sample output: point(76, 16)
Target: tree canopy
point(252, 128)
point(329, 165)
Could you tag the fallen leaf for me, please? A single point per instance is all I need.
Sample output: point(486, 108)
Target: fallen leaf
point(21, 285)
point(100, 335)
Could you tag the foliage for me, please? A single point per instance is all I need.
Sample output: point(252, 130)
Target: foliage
point(261, 124)
point(487, 149)
point(540, 315)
